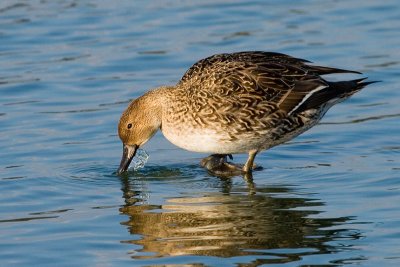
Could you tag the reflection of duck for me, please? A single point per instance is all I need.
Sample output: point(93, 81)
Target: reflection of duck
point(226, 225)
point(242, 102)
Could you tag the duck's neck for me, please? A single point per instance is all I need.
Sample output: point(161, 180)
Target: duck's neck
point(156, 101)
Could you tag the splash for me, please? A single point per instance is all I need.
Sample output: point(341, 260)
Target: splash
point(139, 160)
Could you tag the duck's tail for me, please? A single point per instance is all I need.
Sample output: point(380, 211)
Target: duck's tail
point(349, 87)
point(335, 92)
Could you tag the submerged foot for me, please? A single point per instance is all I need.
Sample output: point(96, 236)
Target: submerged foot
point(218, 164)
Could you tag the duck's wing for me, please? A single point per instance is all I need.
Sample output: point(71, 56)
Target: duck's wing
point(260, 77)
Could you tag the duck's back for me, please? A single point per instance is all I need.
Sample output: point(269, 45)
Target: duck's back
point(279, 79)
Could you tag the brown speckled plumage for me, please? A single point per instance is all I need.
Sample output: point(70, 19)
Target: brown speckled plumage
point(238, 103)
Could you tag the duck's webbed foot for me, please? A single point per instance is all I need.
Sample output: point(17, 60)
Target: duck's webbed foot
point(218, 165)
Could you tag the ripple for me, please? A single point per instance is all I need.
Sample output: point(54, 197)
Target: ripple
point(374, 56)
point(87, 173)
point(21, 102)
point(50, 212)
point(152, 52)
point(72, 58)
point(13, 177)
point(165, 172)
point(374, 104)
point(73, 111)
point(383, 65)
point(117, 103)
point(29, 80)
point(14, 166)
point(237, 35)
point(371, 118)
point(26, 219)
point(13, 6)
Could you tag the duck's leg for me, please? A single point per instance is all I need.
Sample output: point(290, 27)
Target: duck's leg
point(248, 167)
point(218, 164)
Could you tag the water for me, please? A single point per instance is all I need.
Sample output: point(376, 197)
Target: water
point(69, 68)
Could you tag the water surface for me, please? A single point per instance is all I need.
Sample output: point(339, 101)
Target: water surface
point(69, 68)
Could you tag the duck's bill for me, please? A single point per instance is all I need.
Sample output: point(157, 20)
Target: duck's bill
point(127, 156)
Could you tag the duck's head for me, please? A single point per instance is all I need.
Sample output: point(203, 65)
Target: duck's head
point(138, 123)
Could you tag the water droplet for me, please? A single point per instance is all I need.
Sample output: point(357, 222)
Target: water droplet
point(139, 160)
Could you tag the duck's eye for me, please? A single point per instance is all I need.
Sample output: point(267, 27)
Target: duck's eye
point(129, 125)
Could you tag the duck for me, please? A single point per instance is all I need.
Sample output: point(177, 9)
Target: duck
point(234, 103)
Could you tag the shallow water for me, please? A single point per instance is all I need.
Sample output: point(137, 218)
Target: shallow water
point(69, 68)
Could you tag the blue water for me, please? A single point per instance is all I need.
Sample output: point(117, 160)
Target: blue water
point(69, 68)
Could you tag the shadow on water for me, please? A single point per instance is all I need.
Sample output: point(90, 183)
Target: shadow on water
point(274, 224)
